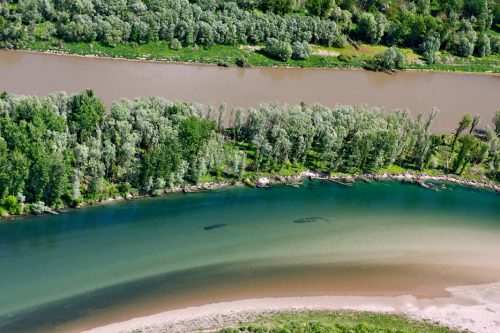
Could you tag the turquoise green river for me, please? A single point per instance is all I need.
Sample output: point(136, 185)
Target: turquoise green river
point(99, 264)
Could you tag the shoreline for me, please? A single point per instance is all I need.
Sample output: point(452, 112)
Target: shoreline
point(293, 180)
point(214, 64)
point(474, 308)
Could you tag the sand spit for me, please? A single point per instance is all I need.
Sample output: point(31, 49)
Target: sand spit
point(475, 308)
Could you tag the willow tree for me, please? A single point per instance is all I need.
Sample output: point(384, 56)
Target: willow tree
point(462, 125)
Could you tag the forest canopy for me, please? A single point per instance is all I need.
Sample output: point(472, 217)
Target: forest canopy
point(463, 27)
point(62, 150)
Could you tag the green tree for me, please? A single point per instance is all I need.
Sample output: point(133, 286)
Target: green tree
point(4, 168)
point(371, 27)
point(469, 150)
point(483, 46)
point(18, 171)
point(475, 123)
point(86, 114)
point(321, 8)
point(192, 133)
point(429, 49)
point(496, 122)
point(279, 7)
point(464, 41)
point(462, 125)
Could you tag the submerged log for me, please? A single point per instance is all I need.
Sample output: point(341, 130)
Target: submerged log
point(311, 219)
point(349, 183)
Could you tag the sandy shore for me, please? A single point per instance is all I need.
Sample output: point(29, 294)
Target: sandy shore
point(475, 308)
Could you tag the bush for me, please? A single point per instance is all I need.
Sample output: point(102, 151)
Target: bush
point(242, 62)
point(11, 204)
point(495, 44)
point(344, 58)
point(483, 46)
point(39, 208)
point(175, 44)
point(390, 60)
point(462, 46)
point(301, 51)
point(229, 330)
point(222, 63)
point(464, 40)
point(278, 50)
point(429, 49)
point(124, 189)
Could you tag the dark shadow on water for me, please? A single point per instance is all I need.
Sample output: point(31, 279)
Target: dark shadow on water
point(215, 226)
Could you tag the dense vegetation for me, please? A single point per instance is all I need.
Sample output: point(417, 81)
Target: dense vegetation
point(462, 27)
point(339, 322)
point(63, 150)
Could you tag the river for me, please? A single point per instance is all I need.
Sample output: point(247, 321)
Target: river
point(89, 267)
point(111, 79)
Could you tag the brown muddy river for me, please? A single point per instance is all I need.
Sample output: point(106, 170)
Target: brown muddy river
point(453, 94)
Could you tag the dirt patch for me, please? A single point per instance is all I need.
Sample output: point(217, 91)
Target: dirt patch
point(326, 53)
point(251, 47)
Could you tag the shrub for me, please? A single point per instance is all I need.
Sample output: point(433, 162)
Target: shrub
point(11, 204)
point(344, 58)
point(242, 62)
point(462, 46)
point(229, 330)
point(257, 329)
point(39, 208)
point(175, 44)
point(390, 60)
point(124, 189)
point(429, 49)
point(222, 63)
point(495, 44)
point(464, 40)
point(483, 46)
point(301, 51)
point(277, 49)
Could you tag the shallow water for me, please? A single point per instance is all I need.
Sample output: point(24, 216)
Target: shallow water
point(92, 266)
point(453, 94)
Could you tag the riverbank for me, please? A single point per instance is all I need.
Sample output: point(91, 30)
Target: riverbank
point(420, 179)
point(239, 55)
point(474, 308)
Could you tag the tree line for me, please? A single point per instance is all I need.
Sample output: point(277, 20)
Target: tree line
point(463, 27)
point(62, 150)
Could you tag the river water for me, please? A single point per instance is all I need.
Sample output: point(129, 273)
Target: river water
point(453, 94)
point(89, 267)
